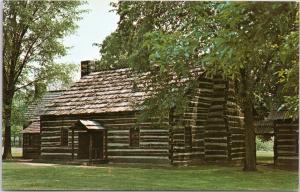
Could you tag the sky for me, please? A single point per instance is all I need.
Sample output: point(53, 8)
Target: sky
point(94, 27)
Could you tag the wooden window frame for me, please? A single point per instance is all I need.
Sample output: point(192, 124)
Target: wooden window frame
point(64, 138)
point(133, 143)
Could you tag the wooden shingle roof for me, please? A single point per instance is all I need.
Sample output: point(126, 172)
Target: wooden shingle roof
point(98, 92)
point(33, 127)
point(105, 91)
point(38, 108)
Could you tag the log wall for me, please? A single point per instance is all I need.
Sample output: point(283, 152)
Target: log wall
point(154, 138)
point(234, 120)
point(216, 131)
point(215, 120)
point(31, 149)
point(224, 133)
point(286, 143)
point(195, 119)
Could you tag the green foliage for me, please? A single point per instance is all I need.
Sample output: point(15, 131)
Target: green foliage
point(155, 36)
point(33, 33)
point(19, 108)
point(57, 77)
point(258, 34)
point(253, 41)
point(264, 145)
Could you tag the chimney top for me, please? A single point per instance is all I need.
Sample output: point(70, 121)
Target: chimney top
point(87, 67)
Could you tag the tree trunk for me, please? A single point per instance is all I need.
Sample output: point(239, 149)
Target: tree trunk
point(7, 124)
point(250, 146)
point(8, 94)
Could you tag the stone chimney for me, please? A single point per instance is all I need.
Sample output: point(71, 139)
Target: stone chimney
point(87, 67)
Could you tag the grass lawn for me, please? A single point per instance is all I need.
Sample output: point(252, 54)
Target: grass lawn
point(137, 177)
point(264, 157)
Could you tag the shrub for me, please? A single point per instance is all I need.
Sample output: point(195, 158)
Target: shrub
point(264, 145)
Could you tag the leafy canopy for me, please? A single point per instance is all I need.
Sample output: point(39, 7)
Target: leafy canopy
point(237, 39)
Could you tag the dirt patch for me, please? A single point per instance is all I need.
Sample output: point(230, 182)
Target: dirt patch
point(51, 164)
point(39, 164)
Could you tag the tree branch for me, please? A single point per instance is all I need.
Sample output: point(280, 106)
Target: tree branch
point(19, 71)
point(34, 81)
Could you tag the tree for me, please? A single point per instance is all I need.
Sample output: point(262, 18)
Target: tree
point(54, 77)
point(19, 107)
point(59, 77)
point(32, 37)
point(245, 41)
point(247, 47)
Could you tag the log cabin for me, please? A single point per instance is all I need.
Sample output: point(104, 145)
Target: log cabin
point(31, 141)
point(31, 128)
point(285, 131)
point(96, 121)
point(286, 140)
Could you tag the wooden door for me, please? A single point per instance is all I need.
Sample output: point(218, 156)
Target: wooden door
point(83, 145)
point(97, 139)
point(97, 145)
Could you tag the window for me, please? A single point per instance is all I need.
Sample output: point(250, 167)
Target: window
point(64, 137)
point(134, 137)
point(188, 137)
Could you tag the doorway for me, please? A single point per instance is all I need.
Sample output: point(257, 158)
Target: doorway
point(96, 139)
point(265, 149)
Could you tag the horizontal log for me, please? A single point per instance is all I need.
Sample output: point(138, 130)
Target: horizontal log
point(139, 157)
point(136, 153)
point(237, 150)
point(162, 131)
point(118, 140)
point(56, 150)
point(117, 132)
point(215, 134)
point(287, 147)
point(240, 155)
point(118, 136)
point(154, 143)
point(288, 158)
point(215, 157)
point(215, 152)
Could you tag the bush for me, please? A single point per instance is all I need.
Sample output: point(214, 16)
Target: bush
point(264, 145)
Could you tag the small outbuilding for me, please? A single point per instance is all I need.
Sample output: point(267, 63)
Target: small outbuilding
point(31, 141)
point(286, 137)
point(31, 132)
point(286, 140)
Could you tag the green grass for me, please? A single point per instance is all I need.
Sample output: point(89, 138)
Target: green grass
point(264, 157)
point(134, 177)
